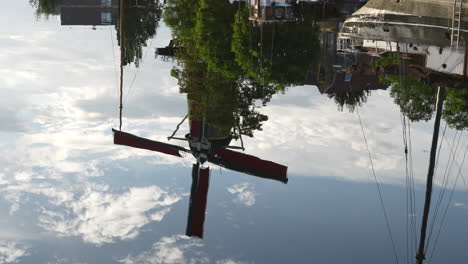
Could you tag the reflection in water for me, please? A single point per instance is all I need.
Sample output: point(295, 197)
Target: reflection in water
point(231, 58)
point(414, 51)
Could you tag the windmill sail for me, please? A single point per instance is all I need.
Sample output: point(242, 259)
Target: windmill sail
point(249, 164)
point(127, 139)
point(198, 199)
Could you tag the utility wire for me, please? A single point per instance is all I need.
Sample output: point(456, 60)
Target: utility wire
point(448, 205)
point(382, 204)
point(138, 69)
point(115, 61)
point(448, 171)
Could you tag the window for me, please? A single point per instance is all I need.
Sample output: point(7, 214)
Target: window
point(106, 18)
point(106, 3)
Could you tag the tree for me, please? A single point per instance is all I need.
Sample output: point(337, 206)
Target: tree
point(277, 53)
point(456, 108)
point(140, 24)
point(208, 74)
point(416, 100)
point(213, 34)
point(44, 7)
point(350, 99)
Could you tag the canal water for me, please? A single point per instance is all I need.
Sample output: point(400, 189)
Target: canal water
point(341, 95)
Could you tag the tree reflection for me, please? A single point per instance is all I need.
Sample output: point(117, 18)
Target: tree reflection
point(277, 53)
point(44, 7)
point(227, 64)
point(140, 21)
point(416, 100)
point(456, 108)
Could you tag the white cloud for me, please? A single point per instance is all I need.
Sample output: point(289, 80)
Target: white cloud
point(231, 261)
point(11, 252)
point(177, 249)
point(245, 193)
point(99, 216)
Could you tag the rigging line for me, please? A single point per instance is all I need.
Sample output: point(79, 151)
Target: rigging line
point(272, 44)
point(448, 205)
point(113, 55)
point(456, 163)
point(412, 202)
point(450, 163)
point(403, 126)
point(407, 188)
point(413, 193)
point(261, 60)
point(440, 147)
point(447, 173)
point(138, 69)
point(435, 173)
point(439, 198)
point(382, 204)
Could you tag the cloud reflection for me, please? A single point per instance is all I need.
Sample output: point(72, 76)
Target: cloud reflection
point(11, 252)
point(99, 216)
point(177, 249)
point(244, 193)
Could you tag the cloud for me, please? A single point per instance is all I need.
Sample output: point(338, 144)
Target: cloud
point(168, 250)
point(244, 193)
point(99, 216)
point(11, 252)
point(177, 249)
point(231, 261)
point(460, 205)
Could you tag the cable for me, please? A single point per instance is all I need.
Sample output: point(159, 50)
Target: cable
point(138, 69)
point(115, 64)
point(448, 205)
point(445, 181)
point(412, 192)
point(382, 204)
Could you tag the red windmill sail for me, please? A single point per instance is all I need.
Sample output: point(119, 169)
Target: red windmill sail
point(250, 164)
point(127, 139)
point(198, 200)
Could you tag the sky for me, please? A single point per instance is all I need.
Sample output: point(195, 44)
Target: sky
point(68, 195)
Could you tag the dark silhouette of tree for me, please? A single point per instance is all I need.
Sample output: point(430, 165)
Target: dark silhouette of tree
point(209, 74)
point(456, 108)
point(278, 53)
point(350, 99)
point(44, 7)
point(416, 100)
point(213, 35)
point(140, 24)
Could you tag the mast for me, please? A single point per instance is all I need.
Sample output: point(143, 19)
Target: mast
point(430, 175)
point(122, 56)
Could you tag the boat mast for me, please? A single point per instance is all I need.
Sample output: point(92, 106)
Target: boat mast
point(430, 175)
point(122, 57)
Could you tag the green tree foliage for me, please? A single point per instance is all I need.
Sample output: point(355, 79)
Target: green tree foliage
point(416, 100)
point(44, 7)
point(278, 53)
point(350, 99)
point(139, 25)
point(224, 95)
point(456, 108)
point(213, 34)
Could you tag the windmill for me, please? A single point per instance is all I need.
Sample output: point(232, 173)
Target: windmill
point(206, 145)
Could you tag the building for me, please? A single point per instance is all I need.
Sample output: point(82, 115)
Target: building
point(88, 12)
point(268, 11)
